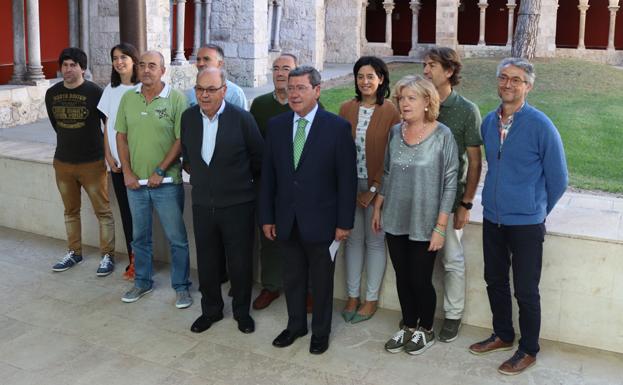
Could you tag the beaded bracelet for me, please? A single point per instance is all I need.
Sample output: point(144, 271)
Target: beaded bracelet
point(439, 231)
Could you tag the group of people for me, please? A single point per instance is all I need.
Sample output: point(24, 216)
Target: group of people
point(405, 173)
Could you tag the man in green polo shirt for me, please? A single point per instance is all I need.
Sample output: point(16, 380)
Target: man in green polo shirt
point(442, 66)
point(148, 140)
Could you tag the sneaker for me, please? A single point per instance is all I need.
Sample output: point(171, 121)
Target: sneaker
point(129, 273)
point(421, 340)
point(491, 344)
point(450, 330)
point(134, 294)
point(107, 265)
point(68, 261)
point(183, 300)
point(519, 362)
point(397, 343)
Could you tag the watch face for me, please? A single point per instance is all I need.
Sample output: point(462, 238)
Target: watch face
point(467, 205)
point(373, 189)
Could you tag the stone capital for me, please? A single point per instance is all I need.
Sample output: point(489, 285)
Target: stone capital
point(483, 5)
point(388, 5)
point(415, 5)
point(613, 4)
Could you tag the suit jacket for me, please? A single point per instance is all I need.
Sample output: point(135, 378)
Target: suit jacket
point(235, 164)
point(321, 193)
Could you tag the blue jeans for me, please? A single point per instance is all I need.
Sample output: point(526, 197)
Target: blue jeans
point(168, 200)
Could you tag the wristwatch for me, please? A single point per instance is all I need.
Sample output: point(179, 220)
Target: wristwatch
point(467, 205)
point(373, 189)
point(159, 171)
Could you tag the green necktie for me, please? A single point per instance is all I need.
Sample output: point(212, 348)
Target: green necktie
point(299, 140)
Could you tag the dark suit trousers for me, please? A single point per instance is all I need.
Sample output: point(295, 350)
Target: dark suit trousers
point(519, 247)
point(225, 235)
point(303, 260)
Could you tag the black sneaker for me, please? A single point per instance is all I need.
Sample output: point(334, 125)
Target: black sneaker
point(67, 262)
point(107, 265)
point(450, 330)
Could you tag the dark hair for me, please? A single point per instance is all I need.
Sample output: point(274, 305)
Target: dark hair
point(381, 71)
point(449, 60)
point(311, 72)
point(132, 52)
point(75, 54)
point(219, 51)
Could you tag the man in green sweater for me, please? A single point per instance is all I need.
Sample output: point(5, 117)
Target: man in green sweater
point(263, 108)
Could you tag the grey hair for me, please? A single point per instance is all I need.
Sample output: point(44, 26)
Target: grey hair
point(221, 72)
point(521, 63)
point(154, 52)
point(220, 54)
point(311, 72)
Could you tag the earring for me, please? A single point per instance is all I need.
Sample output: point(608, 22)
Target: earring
point(425, 109)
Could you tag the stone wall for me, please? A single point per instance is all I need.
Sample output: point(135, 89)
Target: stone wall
point(22, 104)
point(342, 31)
point(240, 27)
point(302, 31)
point(103, 35)
point(546, 41)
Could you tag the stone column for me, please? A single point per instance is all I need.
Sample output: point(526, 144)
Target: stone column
point(74, 22)
point(271, 7)
point(84, 35)
point(389, 7)
point(364, 12)
point(35, 70)
point(613, 6)
point(196, 31)
point(415, 10)
point(179, 34)
point(483, 8)
point(276, 45)
point(511, 18)
point(207, 11)
point(19, 50)
point(583, 7)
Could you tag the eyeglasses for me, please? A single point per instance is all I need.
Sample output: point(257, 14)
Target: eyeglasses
point(211, 90)
point(515, 81)
point(298, 89)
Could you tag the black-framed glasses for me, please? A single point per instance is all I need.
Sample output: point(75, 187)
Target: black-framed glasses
point(515, 81)
point(210, 90)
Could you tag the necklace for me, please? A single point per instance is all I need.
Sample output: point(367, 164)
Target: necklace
point(419, 136)
point(408, 152)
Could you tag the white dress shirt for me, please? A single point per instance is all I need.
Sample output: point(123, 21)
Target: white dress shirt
point(210, 129)
point(309, 117)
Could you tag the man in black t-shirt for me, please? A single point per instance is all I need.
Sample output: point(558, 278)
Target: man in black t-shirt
point(79, 157)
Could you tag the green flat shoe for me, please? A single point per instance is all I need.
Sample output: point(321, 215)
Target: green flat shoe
point(348, 315)
point(360, 318)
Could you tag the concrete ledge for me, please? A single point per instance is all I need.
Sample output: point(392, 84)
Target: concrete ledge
point(581, 289)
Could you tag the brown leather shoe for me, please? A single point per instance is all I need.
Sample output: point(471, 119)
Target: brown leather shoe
point(264, 299)
point(519, 362)
point(491, 344)
point(309, 303)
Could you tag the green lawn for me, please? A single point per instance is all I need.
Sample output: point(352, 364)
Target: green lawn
point(584, 100)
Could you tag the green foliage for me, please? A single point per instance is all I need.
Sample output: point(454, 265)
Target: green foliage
point(583, 100)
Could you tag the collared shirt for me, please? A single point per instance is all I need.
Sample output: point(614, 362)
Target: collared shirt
point(210, 129)
point(309, 117)
point(151, 129)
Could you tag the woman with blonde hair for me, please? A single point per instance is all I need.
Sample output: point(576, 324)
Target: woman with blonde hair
point(416, 197)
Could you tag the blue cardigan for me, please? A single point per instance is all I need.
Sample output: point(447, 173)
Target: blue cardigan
point(528, 174)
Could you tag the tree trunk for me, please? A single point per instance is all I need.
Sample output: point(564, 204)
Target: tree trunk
point(524, 42)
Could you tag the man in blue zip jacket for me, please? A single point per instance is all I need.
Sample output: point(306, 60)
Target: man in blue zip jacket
point(526, 176)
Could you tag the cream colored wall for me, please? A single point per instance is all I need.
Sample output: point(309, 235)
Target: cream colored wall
point(581, 285)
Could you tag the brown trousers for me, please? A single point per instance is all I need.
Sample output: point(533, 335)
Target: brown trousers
point(93, 178)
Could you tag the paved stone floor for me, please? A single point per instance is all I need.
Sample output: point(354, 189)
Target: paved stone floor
point(71, 328)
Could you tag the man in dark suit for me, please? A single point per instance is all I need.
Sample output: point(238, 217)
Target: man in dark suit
point(222, 150)
point(307, 200)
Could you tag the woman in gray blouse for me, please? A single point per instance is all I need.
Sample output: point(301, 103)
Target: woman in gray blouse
point(416, 197)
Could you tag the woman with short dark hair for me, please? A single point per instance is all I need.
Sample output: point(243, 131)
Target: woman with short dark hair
point(123, 77)
point(371, 115)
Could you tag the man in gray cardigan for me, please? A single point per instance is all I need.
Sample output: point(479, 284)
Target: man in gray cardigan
point(222, 151)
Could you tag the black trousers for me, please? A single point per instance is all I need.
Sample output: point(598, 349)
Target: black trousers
point(225, 235)
point(522, 248)
point(414, 264)
point(124, 207)
point(303, 261)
